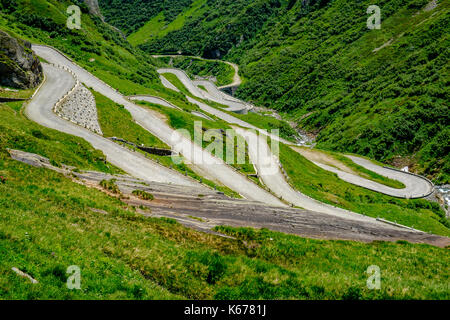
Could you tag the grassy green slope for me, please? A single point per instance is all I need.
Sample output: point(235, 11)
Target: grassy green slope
point(121, 12)
point(214, 31)
point(16, 94)
point(150, 30)
point(96, 46)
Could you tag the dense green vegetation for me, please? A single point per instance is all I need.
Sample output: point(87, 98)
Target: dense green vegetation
point(48, 223)
point(379, 93)
point(159, 26)
point(97, 47)
point(219, 25)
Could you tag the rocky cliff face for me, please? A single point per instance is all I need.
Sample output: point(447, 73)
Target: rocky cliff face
point(19, 66)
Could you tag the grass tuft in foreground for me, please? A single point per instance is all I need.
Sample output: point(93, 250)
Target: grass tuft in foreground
point(48, 223)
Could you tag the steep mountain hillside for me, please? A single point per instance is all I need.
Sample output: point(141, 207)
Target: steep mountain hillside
point(381, 93)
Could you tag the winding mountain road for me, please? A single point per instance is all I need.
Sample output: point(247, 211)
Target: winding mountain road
point(185, 80)
point(194, 154)
point(267, 165)
point(195, 91)
point(415, 186)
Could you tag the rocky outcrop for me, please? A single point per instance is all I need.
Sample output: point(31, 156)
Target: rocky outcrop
point(19, 66)
point(80, 108)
